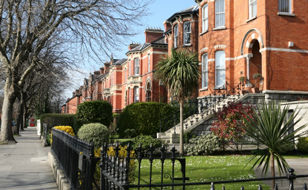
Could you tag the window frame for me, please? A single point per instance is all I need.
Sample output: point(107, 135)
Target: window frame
point(289, 6)
point(205, 18)
point(204, 71)
point(175, 35)
point(136, 94)
point(136, 66)
point(220, 13)
point(220, 68)
point(186, 33)
point(251, 4)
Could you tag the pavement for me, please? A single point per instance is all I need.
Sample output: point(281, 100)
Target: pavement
point(24, 165)
point(300, 165)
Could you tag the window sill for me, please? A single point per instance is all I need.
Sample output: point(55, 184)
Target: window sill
point(187, 45)
point(204, 32)
point(203, 89)
point(251, 19)
point(285, 14)
point(220, 28)
point(220, 88)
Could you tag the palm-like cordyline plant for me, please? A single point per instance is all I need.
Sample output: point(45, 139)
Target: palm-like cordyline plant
point(180, 74)
point(270, 125)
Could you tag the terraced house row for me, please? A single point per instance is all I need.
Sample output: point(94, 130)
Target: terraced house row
point(244, 46)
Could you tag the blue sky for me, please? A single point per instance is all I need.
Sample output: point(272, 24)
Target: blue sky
point(158, 12)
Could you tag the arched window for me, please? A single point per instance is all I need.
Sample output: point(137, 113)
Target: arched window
point(148, 92)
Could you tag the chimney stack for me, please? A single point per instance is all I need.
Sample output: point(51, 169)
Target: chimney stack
point(153, 34)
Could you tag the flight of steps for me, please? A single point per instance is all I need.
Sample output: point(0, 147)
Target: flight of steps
point(208, 107)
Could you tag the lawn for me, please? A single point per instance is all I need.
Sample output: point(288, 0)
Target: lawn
point(206, 169)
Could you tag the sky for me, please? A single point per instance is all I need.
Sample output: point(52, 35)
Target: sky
point(158, 12)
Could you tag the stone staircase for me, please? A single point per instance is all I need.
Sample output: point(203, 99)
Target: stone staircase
point(207, 107)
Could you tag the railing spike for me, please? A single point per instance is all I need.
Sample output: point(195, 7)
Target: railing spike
point(276, 187)
point(223, 187)
point(305, 186)
point(260, 187)
point(212, 186)
point(242, 188)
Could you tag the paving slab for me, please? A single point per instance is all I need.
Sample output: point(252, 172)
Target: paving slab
point(300, 165)
point(24, 165)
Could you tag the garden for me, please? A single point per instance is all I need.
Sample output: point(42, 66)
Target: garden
point(207, 157)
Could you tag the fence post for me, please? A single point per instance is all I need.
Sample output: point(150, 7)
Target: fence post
point(291, 177)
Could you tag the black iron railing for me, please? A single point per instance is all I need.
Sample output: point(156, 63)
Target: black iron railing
point(116, 172)
point(76, 158)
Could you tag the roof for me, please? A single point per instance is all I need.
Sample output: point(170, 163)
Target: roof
point(120, 61)
point(188, 11)
point(140, 47)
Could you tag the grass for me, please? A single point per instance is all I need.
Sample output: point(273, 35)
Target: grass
point(206, 169)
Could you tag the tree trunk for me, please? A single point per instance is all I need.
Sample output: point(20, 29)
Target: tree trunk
point(182, 129)
point(7, 114)
point(19, 121)
point(24, 120)
point(273, 170)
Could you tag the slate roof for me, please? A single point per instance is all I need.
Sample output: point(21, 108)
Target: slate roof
point(120, 61)
point(188, 11)
point(140, 47)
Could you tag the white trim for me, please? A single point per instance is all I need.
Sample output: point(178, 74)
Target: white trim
point(220, 46)
point(283, 50)
point(284, 92)
point(211, 60)
point(238, 57)
point(160, 52)
point(204, 49)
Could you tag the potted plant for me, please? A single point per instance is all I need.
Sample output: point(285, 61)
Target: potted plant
point(258, 81)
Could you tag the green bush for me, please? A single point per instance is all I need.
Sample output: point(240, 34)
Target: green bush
point(146, 142)
point(202, 145)
point(94, 112)
point(145, 118)
point(302, 144)
point(55, 119)
point(95, 133)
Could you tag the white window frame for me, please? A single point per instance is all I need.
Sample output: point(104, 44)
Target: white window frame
point(175, 35)
point(149, 62)
point(205, 18)
point(253, 8)
point(136, 66)
point(205, 71)
point(186, 33)
point(220, 68)
point(136, 94)
point(220, 23)
point(289, 6)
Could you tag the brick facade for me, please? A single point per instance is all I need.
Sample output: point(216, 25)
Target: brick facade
point(241, 46)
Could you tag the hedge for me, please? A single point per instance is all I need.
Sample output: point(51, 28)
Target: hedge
point(145, 118)
point(56, 119)
point(94, 112)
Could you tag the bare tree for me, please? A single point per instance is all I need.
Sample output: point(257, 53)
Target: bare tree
point(26, 26)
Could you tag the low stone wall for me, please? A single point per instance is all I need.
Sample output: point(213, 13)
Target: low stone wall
point(58, 173)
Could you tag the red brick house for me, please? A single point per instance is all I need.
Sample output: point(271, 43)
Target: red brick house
point(264, 41)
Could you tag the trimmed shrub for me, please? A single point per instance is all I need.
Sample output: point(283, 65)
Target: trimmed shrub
point(95, 112)
point(56, 119)
point(302, 144)
point(145, 118)
point(95, 133)
point(202, 145)
point(146, 141)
